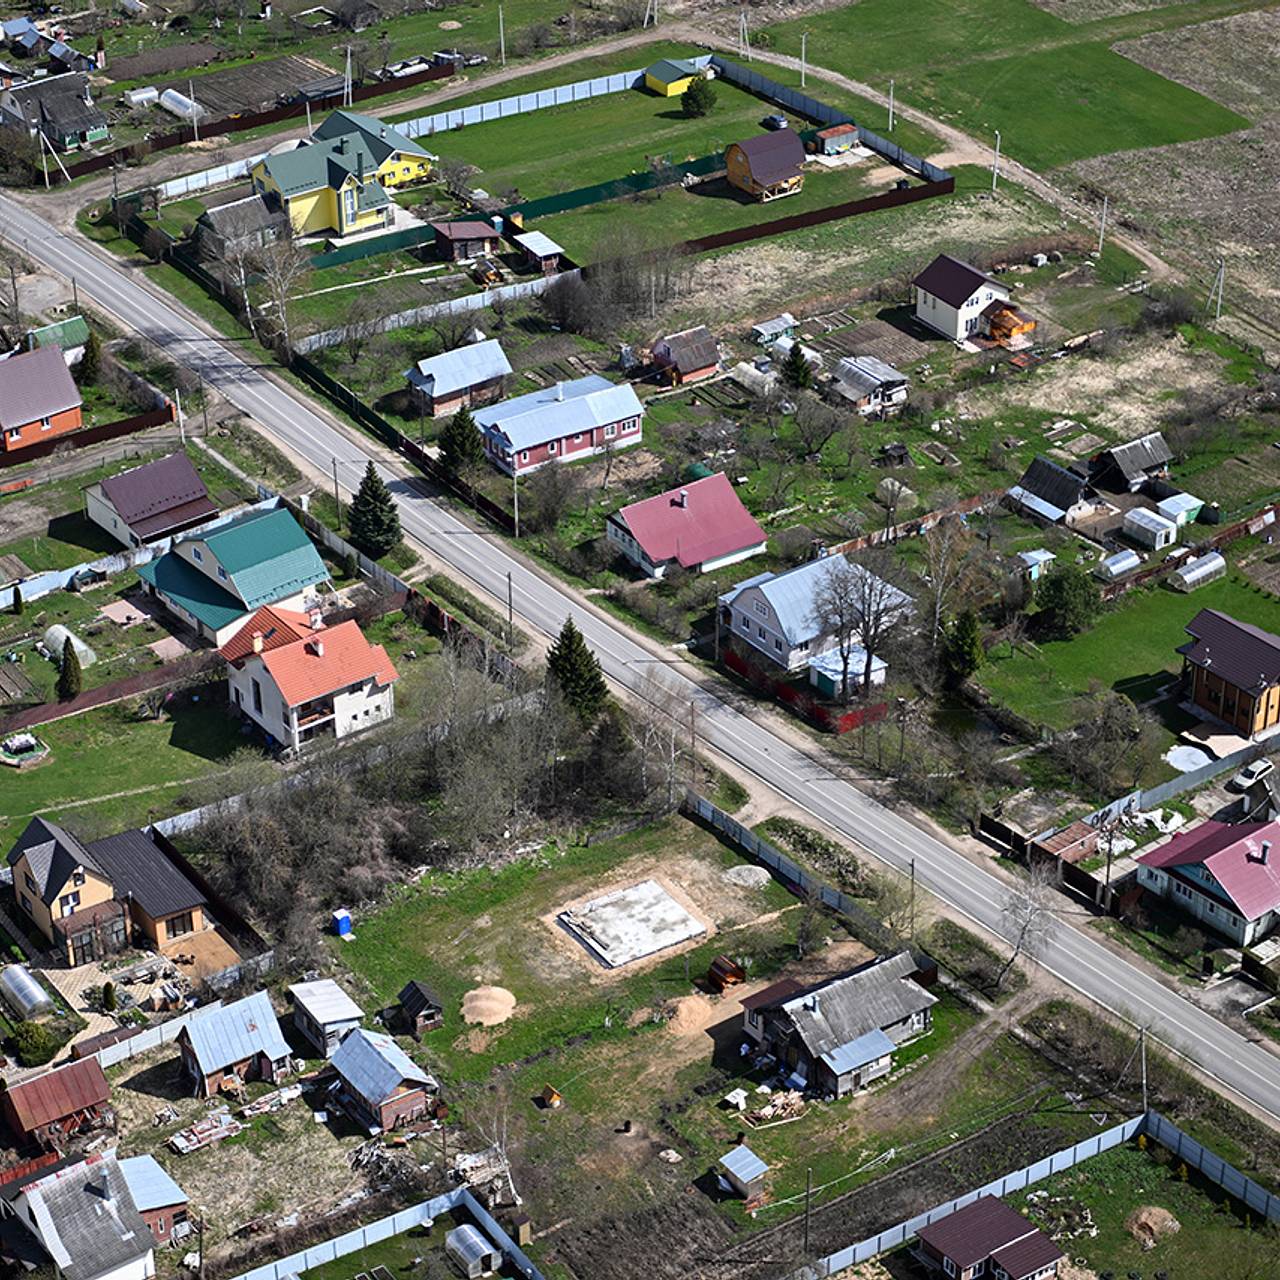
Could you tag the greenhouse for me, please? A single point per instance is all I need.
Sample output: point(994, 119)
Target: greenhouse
point(1196, 573)
point(55, 640)
point(22, 993)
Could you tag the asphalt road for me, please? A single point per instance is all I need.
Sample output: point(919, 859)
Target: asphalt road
point(1069, 953)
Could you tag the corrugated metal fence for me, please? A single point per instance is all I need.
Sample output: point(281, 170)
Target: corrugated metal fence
point(176, 188)
point(150, 1038)
point(397, 1224)
point(753, 82)
point(424, 315)
point(1152, 1124)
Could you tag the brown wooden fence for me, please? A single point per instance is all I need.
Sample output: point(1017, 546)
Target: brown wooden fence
point(90, 435)
point(816, 217)
point(248, 120)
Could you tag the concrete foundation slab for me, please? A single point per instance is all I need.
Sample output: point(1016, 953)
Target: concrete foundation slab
point(629, 924)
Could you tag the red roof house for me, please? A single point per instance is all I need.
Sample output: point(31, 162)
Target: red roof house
point(299, 680)
point(987, 1237)
point(701, 526)
point(1225, 875)
point(57, 1103)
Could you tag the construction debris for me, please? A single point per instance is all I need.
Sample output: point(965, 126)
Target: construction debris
point(787, 1104)
point(204, 1133)
point(670, 1156)
point(272, 1101)
point(480, 1166)
point(165, 1115)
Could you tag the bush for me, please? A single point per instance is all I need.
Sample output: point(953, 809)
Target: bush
point(35, 1043)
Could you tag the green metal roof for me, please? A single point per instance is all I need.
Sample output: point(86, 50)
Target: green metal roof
point(71, 332)
point(669, 70)
point(382, 139)
point(372, 196)
point(187, 587)
point(267, 556)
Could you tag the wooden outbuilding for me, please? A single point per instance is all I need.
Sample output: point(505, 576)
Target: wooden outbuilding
point(420, 1007)
point(767, 166)
point(461, 241)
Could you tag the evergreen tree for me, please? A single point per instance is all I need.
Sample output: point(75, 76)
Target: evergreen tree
point(461, 445)
point(17, 606)
point(576, 672)
point(70, 680)
point(962, 651)
point(698, 99)
point(795, 369)
point(374, 520)
point(91, 361)
point(1068, 602)
point(108, 996)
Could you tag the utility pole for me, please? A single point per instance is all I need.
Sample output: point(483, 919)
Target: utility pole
point(515, 492)
point(995, 164)
point(195, 110)
point(502, 37)
point(204, 402)
point(808, 1207)
point(337, 498)
point(890, 106)
point(308, 117)
point(744, 36)
point(913, 897)
point(693, 744)
point(44, 158)
point(804, 56)
point(1142, 1047)
point(182, 426)
point(75, 294)
point(511, 622)
point(1102, 225)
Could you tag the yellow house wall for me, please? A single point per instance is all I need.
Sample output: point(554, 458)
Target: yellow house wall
point(158, 930)
point(95, 890)
point(314, 211)
point(672, 90)
point(391, 173)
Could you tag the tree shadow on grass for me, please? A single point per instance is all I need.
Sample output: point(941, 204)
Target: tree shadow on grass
point(1144, 688)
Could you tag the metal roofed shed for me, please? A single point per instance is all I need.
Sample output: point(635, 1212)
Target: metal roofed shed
point(1198, 572)
point(149, 1185)
point(1033, 562)
point(23, 994)
point(1181, 508)
point(1116, 566)
point(1149, 529)
point(826, 671)
point(323, 1013)
point(769, 331)
point(471, 1251)
point(744, 1171)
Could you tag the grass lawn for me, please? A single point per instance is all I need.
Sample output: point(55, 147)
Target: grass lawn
point(1132, 642)
point(96, 757)
point(400, 1254)
point(493, 922)
point(1055, 90)
point(1113, 1186)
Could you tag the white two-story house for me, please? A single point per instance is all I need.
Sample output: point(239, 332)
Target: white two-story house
point(300, 681)
point(775, 613)
point(951, 297)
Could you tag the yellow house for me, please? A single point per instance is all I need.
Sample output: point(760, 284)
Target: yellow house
point(670, 77)
point(89, 900)
point(337, 181)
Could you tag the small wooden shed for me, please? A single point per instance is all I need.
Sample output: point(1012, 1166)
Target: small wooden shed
point(420, 1007)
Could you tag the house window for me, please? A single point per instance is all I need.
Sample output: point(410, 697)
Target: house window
point(803, 646)
point(777, 644)
point(45, 424)
point(160, 1224)
point(948, 1266)
point(761, 608)
point(14, 432)
point(760, 629)
point(577, 439)
point(31, 882)
point(177, 925)
point(257, 697)
point(610, 431)
point(69, 902)
point(26, 903)
point(746, 625)
point(197, 555)
point(551, 448)
point(349, 199)
point(753, 1017)
point(524, 455)
point(222, 573)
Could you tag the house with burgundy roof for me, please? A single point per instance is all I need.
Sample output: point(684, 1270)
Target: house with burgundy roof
point(1231, 669)
point(987, 1238)
point(1225, 876)
point(300, 681)
point(150, 502)
point(701, 526)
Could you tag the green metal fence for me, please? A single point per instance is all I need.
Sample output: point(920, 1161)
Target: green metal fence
point(392, 241)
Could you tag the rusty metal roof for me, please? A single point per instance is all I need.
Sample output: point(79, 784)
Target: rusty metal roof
point(59, 1093)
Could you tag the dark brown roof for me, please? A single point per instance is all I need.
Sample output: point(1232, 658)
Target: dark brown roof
point(771, 995)
point(159, 495)
point(773, 157)
point(139, 870)
point(972, 1234)
point(693, 349)
point(953, 281)
point(58, 1093)
point(472, 229)
point(1028, 1257)
point(1242, 654)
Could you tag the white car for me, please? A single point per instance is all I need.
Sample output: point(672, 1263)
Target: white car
point(1251, 773)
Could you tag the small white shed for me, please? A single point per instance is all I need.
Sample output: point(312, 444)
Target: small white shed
point(1150, 529)
point(323, 1013)
point(744, 1171)
point(472, 1252)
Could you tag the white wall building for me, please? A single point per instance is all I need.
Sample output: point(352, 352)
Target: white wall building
point(951, 296)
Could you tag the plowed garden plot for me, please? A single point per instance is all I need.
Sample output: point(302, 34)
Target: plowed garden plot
point(253, 86)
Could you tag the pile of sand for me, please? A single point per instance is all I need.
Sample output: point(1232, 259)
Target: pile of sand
point(748, 876)
point(450, 25)
point(1149, 1223)
point(488, 1005)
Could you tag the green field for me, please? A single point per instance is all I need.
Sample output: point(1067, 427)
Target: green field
point(1055, 90)
point(1132, 643)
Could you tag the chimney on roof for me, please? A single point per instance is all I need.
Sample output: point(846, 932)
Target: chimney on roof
point(382, 133)
point(342, 145)
point(257, 642)
point(683, 499)
point(1265, 852)
point(316, 645)
point(559, 390)
point(360, 168)
point(100, 1187)
point(317, 620)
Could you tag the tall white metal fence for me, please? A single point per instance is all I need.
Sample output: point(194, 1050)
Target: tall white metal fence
point(424, 315)
point(152, 1037)
point(176, 188)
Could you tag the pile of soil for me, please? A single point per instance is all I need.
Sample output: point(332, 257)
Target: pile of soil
point(489, 1006)
point(1149, 1223)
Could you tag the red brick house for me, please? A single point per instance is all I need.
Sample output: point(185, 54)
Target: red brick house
point(563, 423)
point(57, 1104)
point(160, 1201)
point(987, 1238)
point(38, 398)
point(380, 1085)
point(221, 1048)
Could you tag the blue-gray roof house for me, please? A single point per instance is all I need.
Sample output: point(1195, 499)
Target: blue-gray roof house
point(380, 1086)
point(463, 378)
point(840, 1036)
point(160, 1201)
point(563, 423)
point(221, 1048)
point(776, 613)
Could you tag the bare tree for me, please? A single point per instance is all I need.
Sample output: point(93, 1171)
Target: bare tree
point(1027, 914)
point(816, 423)
point(948, 554)
point(361, 325)
point(857, 605)
point(283, 264)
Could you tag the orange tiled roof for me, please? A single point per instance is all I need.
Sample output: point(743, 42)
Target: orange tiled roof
point(278, 627)
point(326, 661)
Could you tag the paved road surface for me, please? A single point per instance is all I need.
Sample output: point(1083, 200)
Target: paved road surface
point(1069, 953)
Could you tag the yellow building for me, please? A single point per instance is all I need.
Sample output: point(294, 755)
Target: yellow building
point(91, 900)
point(670, 77)
point(337, 181)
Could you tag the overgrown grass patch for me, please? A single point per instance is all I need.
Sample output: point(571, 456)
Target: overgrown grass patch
point(975, 962)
